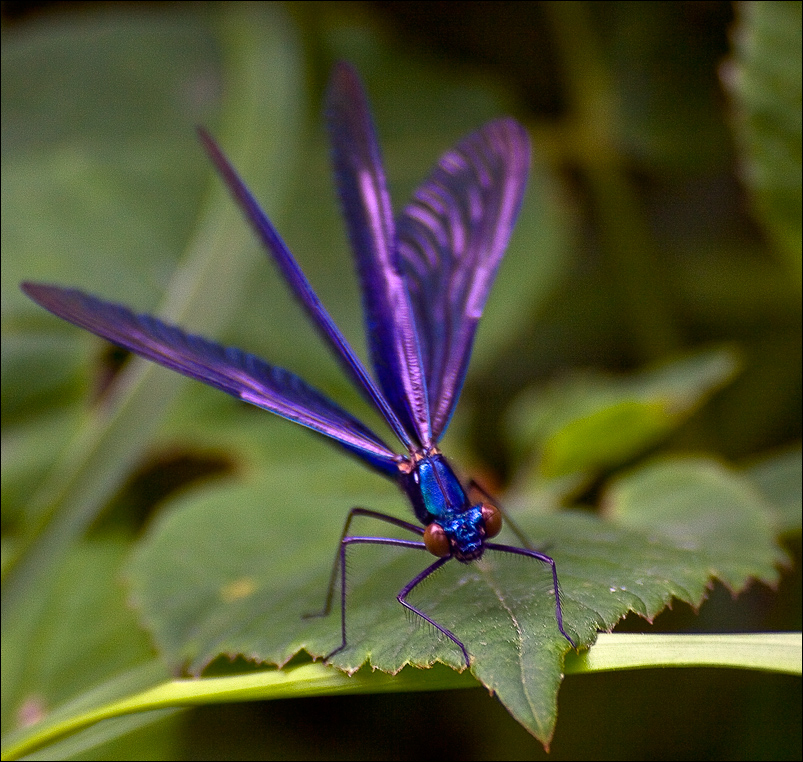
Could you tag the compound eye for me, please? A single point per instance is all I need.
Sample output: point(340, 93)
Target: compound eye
point(492, 519)
point(436, 541)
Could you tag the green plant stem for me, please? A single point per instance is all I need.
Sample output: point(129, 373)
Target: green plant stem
point(773, 652)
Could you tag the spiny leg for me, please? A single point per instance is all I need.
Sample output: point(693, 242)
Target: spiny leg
point(344, 543)
point(408, 588)
point(556, 586)
point(333, 576)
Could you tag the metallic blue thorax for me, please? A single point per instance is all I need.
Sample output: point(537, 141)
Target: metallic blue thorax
point(438, 497)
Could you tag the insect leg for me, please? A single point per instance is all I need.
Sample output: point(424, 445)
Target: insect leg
point(408, 588)
point(549, 562)
point(344, 544)
point(333, 576)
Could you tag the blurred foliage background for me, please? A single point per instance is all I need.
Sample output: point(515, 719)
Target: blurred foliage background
point(663, 216)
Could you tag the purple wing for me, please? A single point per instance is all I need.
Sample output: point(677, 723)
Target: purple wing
point(238, 373)
point(390, 322)
point(300, 286)
point(451, 239)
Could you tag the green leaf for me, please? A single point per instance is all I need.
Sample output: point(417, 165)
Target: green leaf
point(765, 79)
point(778, 477)
point(210, 580)
point(592, 421)
point(703, 507)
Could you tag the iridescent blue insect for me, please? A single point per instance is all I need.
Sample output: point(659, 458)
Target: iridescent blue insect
point(425, 277)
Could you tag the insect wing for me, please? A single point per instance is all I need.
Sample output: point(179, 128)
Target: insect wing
point(451, 238)
point(235, 372)
point(390, 323)
point(300, 285)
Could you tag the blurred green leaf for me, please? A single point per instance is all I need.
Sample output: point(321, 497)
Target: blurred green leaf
point(125, 183)
point(591, 421)
point(65, 656)
point(779, 478)
point(765, 79)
